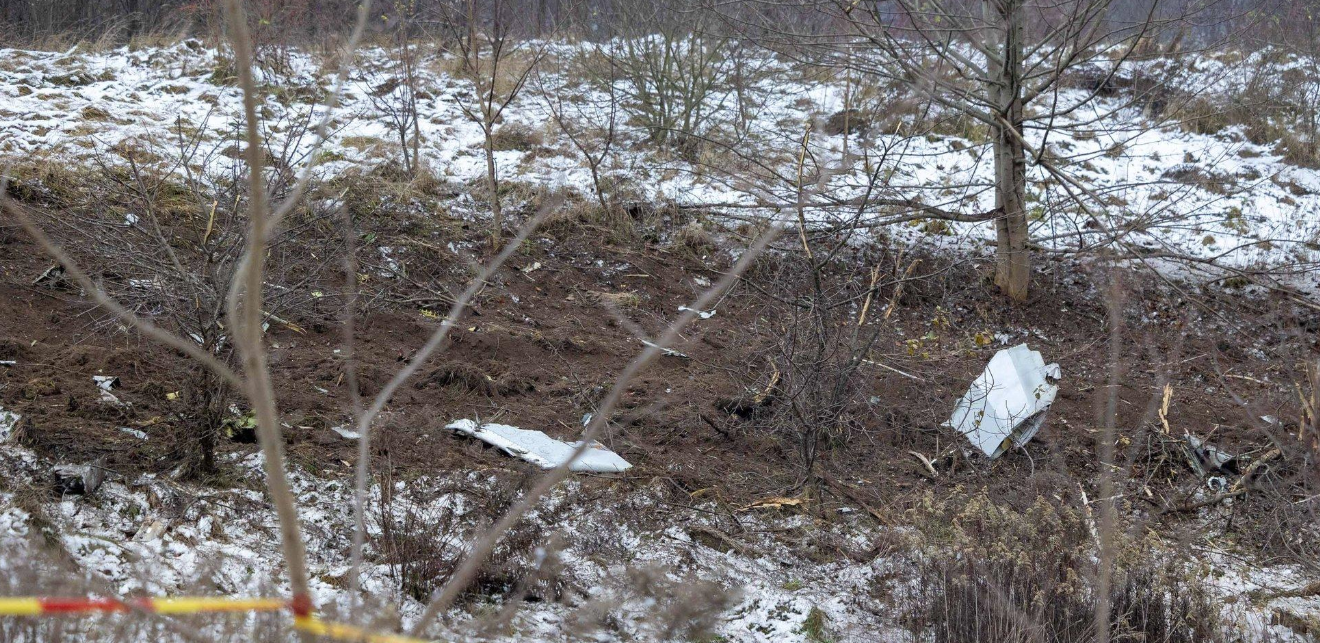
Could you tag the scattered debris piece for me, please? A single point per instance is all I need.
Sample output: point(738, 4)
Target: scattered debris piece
point(1205, 457)
point(704, 314)
point(533, 267)
point(540, 449)
point(1255, 468)
point(79, 479)
point(105, 383)
point(154, 283)
point(1007, 403)
point(8, 421)
point(746, 406)
point(346, 433)
point(667, 351)
point(240, 427)
point(52, 276)
point(141, 435)
point(8, 362)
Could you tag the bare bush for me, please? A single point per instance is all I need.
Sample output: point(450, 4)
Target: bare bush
point(416, 540)
point(394, 93)
point(498, 67)
point(591, 125)
point(161, 224)
point(831, 307)
point(677, 75)
point(988, 571)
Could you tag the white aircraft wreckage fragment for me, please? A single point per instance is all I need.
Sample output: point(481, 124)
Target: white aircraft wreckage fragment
point(542, 450)
point(1006, 405)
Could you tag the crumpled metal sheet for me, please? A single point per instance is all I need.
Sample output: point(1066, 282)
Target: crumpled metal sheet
point(540, 449)
point(1006, 404)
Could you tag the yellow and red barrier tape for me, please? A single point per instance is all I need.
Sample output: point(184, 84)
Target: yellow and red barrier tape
point(303, 619)
point(33, 606)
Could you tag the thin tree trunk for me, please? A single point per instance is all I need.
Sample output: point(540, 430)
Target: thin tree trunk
point(1012, 258)
point(492, 184)
point(600, 193)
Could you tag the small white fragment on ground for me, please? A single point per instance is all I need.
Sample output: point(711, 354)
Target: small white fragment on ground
point(542, 450)
point(8, 420)
point(80, 479)
point(346, 433)
point(8, 362)
point(105, 383)
point(1006, 405)
point(667, 351)
point(704, 314)
point(141, 435)
point(1204, 457)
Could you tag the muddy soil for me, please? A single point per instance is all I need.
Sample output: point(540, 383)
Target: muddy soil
point(549, 335)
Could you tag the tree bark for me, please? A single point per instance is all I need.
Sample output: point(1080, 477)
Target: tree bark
point(492, 184)
point(1012, 258)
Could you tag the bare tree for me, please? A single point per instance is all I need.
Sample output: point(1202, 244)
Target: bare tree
point(590, 125)
point(999, 63)
point(395, 90)
point(498, 66)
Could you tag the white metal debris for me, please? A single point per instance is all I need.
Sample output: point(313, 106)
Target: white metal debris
point(8, 422)
point(105, 383)
point(346, 433)
point(139, 434)
point(704, 314)
point(540, 449)
point(1006, 405)
point(79, 479)
point(667, 351)
point(1205, 457)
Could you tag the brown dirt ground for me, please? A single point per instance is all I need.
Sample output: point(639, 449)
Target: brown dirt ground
point(538, 350)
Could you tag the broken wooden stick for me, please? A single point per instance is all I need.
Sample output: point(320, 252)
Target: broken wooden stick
point(930, 466)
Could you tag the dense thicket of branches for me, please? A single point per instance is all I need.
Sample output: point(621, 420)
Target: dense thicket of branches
point(1276, 21)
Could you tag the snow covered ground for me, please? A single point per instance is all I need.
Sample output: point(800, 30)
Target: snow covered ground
point(1166, 191)
point(157, 536)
